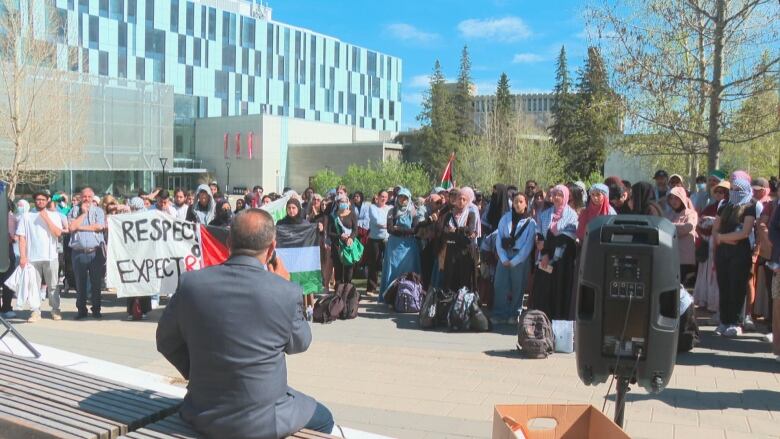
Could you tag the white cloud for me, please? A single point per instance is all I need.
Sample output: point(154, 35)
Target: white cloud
point(412, 98)
point(420, 81)
point(527, 58)
point(409, 33)
point(507, 29)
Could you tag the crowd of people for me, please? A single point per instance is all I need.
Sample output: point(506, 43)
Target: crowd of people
point(511, 244)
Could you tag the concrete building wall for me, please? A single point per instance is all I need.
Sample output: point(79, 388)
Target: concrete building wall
point(209, 147)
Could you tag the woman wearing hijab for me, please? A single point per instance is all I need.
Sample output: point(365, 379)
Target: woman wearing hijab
point(461, 230)
point(685, 219)
point(705, 292)
point(556, 235)
point(576, 197)
point(402, 254)
point(342, 230)
point(294, 214)
point(315, 213)
point(641, 201)
point(361, 208)
point(514, 246)
point(499, 205)
point(223, 215)
point(598, 205)
point(733, 254)
point(240, 205)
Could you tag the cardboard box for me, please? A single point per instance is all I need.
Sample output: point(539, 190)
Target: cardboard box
point(561, 421)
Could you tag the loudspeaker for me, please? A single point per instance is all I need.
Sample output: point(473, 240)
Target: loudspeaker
point(627, 301)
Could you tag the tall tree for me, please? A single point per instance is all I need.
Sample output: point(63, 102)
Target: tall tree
point(685, 67)
point(438, 133)
point(564, 109)
point(504, 112)
point(42, 106)
point(463, 101)
point(595, 120)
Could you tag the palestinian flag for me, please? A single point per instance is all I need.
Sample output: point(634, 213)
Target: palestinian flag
point(447, 180)
point(213, 245)
point(277, 209)
point(298, 246)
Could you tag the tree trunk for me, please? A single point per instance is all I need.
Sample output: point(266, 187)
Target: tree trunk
point(713, 134)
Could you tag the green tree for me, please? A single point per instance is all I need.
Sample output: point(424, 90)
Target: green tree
point(462, 100)
point(438, 133)
point(504, 113)
point(372, 177)
point(595, 120)
point(325, 180)
point(564, 109)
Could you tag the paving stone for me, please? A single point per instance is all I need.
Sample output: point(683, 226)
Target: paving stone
point(686, 432)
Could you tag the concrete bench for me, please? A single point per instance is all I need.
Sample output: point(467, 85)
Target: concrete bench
point(173, 427)
point(43, 401)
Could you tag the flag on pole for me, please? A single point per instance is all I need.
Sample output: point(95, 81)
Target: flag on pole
point(238, 145)
point(298, 247)
point(277, 209)
point(447, 180)
point(225, 141)
point(213, 245)
point(250, 144)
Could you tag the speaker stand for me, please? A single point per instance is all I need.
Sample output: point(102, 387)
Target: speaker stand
point(620, 399)
point(10, 329)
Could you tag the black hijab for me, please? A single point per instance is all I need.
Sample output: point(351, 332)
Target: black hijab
point(297, 219)
point(499, 204)
point(222, 217)
point(641, 196)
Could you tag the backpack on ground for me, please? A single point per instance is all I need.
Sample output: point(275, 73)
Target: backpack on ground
point(535, 335)
point(409, 296)
point(328, 308)
point(459, 315)
point(427, 317)
point(351, 300)
point(479, 321)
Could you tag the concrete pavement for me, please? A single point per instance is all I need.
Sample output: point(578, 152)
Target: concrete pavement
point(381, 374)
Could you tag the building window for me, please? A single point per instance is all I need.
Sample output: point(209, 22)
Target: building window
point(229, 58)
point(372, 63)
point(196, 53)
point(245, 61)
point(150, 13)
point(247, 32)
point(122, 63)
point(182, 49)
point(258, 63)
point(116, 10)
point(228, 29)
point(122, 37)
point(158, 70)
point(251, 88)
point(132, 11)
point(175, 16)
point(391, 110)
point(190, 18)
point(188, 80)
point(221, 85)
point(155, 44)
point(212, 24)
point(103, 8)
point(103, 63)
point(203, 14)
point(239, 88)
point(140, 69)
point(94, 35)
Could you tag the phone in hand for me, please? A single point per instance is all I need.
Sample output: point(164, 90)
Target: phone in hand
point(272, 260)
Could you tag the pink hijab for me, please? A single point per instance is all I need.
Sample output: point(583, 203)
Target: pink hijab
point(740, 175)
point(558, 212)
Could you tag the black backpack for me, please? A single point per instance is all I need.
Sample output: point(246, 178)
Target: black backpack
point(351, 299)
point(534, 334)
point(328, 308)
point(435, 308)
point(689, 331)
point(459, 316)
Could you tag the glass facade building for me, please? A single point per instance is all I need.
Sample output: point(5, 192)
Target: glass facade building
point(228, 58)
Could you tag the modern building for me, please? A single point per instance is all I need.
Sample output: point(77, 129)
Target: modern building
point(534, 109)
point(199, 83)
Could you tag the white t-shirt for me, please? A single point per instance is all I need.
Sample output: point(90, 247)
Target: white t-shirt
point(41, 243)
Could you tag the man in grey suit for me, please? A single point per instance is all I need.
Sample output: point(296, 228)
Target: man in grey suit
point(227, 330)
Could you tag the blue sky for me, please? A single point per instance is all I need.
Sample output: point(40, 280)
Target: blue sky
point(519, 37)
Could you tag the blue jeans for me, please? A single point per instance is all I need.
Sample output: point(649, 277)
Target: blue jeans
point(509, 286)
point(321, 420)
point(88, 269)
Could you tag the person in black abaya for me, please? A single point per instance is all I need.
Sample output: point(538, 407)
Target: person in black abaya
point(294, 213)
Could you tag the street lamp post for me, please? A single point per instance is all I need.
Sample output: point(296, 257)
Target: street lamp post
point(163, 162)
point(227, 183)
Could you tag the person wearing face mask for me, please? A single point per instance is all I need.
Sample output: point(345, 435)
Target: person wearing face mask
point(223, 215)
point(514, 246)
point(342, 230)
point(203, 209)
point(556, 241)
point(700, 197)
point(402, 254)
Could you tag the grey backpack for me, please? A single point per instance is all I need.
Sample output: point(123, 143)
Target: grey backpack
point(534, 334)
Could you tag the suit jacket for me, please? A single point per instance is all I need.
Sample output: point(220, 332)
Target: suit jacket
point(227, 329)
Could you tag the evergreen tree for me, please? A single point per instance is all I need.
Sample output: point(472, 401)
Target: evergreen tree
point(595, 120)
point(438, 132)
point(563, 108)
point(463, 101)
point(503, 121)
point(503, 98)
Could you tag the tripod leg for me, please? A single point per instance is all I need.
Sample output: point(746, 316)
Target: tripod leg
point(620, 399)
point(20, 337)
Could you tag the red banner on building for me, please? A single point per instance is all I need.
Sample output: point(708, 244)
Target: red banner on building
point(238, 145)
point(225, 140)
point(250, 144)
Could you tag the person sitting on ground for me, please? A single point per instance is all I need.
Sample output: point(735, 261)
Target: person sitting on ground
point(237, 379)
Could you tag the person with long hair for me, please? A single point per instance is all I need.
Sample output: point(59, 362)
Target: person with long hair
point(402, 253)
point(598, 205)
point(499, 205)
point(514, 246)
point(315, 213)
point(461, 230)
point(643, 200)
point(733, 255)
point(342, 230)
point(684, 217)
point(556, 236)
point(705, 292)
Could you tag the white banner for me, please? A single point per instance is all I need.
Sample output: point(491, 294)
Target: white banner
point(147, 251)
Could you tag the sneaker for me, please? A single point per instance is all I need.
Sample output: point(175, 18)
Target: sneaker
point(732, 331)
point(97, 315)
point(719, 330)
point(129, 318)
point(55, 315)
point(748, 325)
point(769, 338)
point(144, 317)
point(9, 315)
point(34, 317)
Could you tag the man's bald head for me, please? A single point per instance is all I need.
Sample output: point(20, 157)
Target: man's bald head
point(252, 232)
